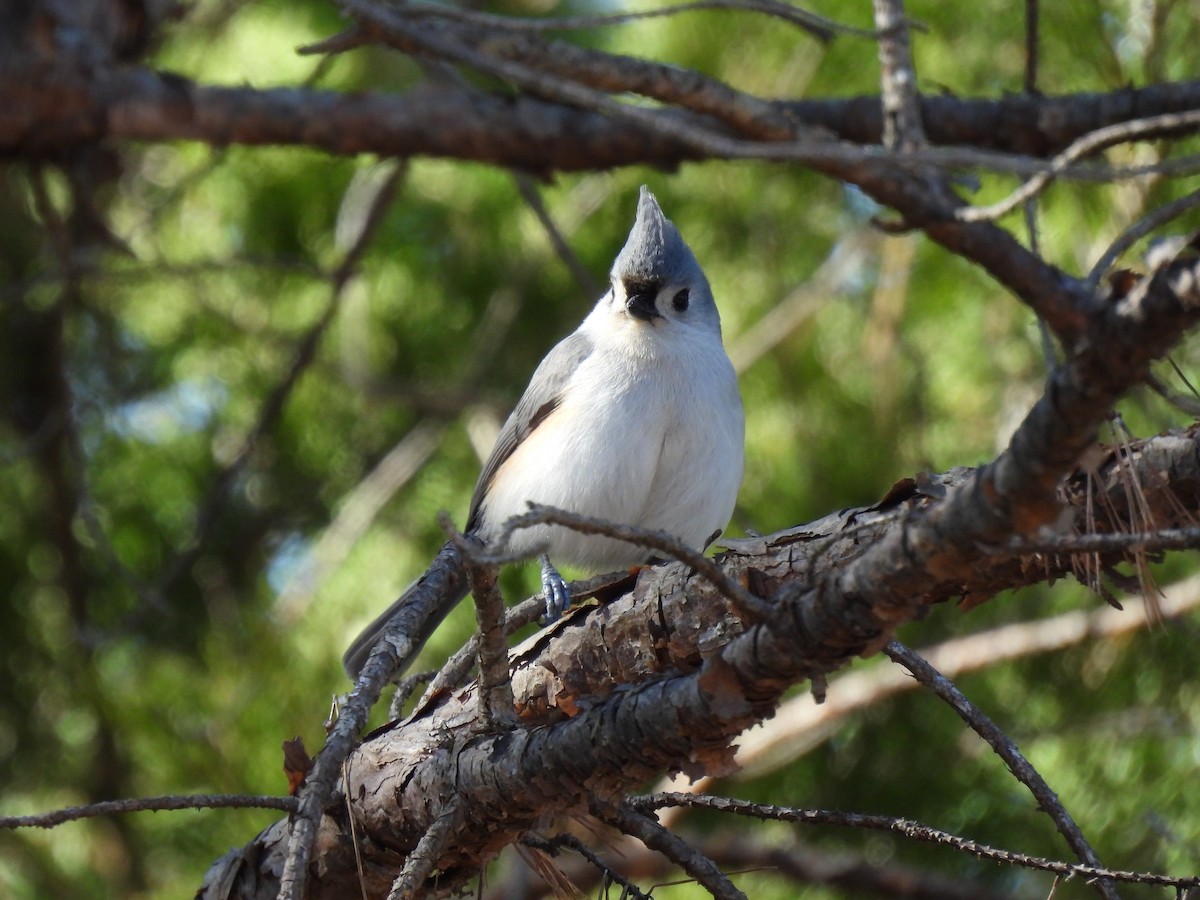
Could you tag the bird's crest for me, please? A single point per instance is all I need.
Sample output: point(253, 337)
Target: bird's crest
point(654, 251)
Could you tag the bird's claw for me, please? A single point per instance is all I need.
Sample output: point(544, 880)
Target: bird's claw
point(555, 591)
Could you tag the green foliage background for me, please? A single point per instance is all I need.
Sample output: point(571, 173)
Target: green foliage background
point(915, 361)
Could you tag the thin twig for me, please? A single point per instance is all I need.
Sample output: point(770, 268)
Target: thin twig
point(799, 725)
point(456, 669)
point(423, 858)
point(819, 26)
point(907, 828)
point(1162, 539)
point(396, 647)
point(404, 689)
point(1016, 761)
point(554, 845)
point(1032, 23)
point(1188, 403)
point(458, 666)
point(148, 804)
point(741, 110)
point(533, 198)
point(576, 75)
point(495, 687)
point(1090, 143)
point(1147, 224)
point(540, 514)
point(643, 827)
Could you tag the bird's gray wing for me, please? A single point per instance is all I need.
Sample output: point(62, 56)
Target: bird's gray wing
point(541, 398)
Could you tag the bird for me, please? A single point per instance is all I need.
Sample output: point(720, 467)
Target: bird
point(635, 418)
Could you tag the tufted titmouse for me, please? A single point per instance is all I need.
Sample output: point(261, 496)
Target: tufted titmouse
point(634, 418)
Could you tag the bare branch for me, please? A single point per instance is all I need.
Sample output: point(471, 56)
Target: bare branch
point(790, 861)
point(800, 725)
point(1147, 224)
point(423, 859)
point(684, 719)
point(399, 642)
point(595, 130)
point(404, 689)
point(907, 828)
point(1161, 539)
point(1140, 129)
point(148, 804)
point(458, 666)
point(554, 845)
point(649, 832)
point(575, 266)
point(580, 76)
point(1016, 761)
point(820, 27)
point(495, 695)
point(655, 540)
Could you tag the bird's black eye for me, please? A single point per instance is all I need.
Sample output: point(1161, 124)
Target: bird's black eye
point(680, 301)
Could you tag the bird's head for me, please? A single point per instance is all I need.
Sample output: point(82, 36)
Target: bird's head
point(656, 279)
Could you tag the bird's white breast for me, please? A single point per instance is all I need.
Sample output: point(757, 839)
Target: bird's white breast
point(649, 432)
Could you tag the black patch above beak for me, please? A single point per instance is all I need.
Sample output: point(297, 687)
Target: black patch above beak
point(639, 300)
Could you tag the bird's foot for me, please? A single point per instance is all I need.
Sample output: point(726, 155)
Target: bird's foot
point(555, 590)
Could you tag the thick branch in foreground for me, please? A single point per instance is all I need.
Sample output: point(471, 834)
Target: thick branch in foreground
point(601, 734)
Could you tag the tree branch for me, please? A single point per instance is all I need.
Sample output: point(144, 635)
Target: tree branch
point(594, 739)
point(1008, 751)
point(58, 817)
point(47, 113)
point(909, 829)
point(649, 832)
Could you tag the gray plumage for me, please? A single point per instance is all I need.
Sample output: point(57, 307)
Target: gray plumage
point(634, 418)
point(654, 250)
point(550, 378)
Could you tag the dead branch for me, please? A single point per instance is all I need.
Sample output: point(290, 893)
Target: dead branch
point(1007, 750)
point(496, 695)
point(147, 804)
point(647, 830)
point(616, 688)
point(801, 724)
point(50, 112)
point(793, 862)
point(909, 829)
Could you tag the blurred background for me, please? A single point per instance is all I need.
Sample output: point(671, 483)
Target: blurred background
point(216, 465)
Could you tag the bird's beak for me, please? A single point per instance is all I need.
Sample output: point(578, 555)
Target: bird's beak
point(640, 302)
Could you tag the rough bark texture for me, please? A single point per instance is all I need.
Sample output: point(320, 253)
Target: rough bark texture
point(664, 677)
point(50, 110)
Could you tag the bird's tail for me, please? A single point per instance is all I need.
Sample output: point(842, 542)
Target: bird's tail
point(416, 613)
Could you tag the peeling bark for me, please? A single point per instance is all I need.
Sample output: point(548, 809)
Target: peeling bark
point(664, 677)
